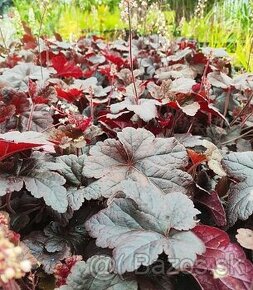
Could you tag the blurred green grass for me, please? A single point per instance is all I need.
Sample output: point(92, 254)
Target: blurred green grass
point(227, 24)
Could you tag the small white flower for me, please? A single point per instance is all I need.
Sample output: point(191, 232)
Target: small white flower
point(25, 265)
point(9, 273)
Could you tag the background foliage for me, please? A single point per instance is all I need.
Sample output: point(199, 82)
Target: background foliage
point(215, 23)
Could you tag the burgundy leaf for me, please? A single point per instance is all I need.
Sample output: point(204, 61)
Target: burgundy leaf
point(66, 68)
point(29, 41)
point(6, 112)
point(13, 59)
point(79, 121)
point(213, 203)
point(115, 59)
point(15, 98)
point(224, 265)
point(13, 142)
point(45, 57)
point(70, 95)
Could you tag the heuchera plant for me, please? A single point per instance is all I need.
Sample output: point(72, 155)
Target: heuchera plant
point(123, 173)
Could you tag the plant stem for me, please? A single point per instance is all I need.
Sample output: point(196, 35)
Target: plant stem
point(236, 138)
point(226, 105)
point(131, 54)
point(249, 58)
point(8, 203)
point(91, 105)
point(242, 110)
point(50, 127)
point(244, 121)
point(38, 39)
point(204, 74)
point(2, 36)
point(29, 123)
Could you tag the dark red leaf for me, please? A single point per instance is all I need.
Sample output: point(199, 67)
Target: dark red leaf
point(95, 37)
point(12, 60)
point(165, 122)
point(13, 142)
point(6, 112)
point(44, 58)
point(62, 270)
point(29, 41)
point(66, 68)
point(173, 105)
point(224, 265)
point(119, 61)
point(207, 107)
point(187, 43)
point(196, 87)
point(196, 158)
point(15, 98)
point(80, 122)
point(32, 88)
point(106, 71)
point(70, 95)
point(213, 203)
point(40, 100)
point(111, 126)
point(57, 36)
point(199, 58)
point(89, 72)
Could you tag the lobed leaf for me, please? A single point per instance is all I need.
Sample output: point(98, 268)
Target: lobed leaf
point(96, 273)
point(70, 167)
point(39, 120)
point(145, 224)
point(224, 265)
point(213, 204)
point(18, 77)
point(66, 68)
point(239, 165)
point(140, 156)
point(14, 141)
point(49, 186)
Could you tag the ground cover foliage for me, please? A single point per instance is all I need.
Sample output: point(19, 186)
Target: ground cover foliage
point(124, 175)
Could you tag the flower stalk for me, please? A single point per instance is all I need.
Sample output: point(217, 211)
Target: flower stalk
point(126, 7)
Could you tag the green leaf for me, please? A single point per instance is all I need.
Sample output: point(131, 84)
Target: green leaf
point(49, 186)
point(9, 184)
point(75, 197)
point(239, 165)
point(96, 274)
point(71, 167)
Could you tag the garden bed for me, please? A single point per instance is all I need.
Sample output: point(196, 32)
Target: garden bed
point(124, 173)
